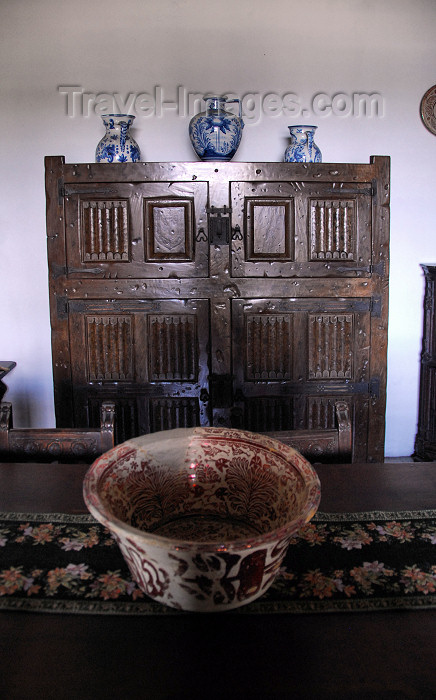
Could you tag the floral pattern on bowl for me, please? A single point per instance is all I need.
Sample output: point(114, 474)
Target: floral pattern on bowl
point(203, 516)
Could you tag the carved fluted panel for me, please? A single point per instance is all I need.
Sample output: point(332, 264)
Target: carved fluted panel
point(171, 413)
point(105, 230)
point(173, 347)
point(263, 414)
point(330, 346)
point(333, 229)
point(126, 417)
point(109, 343)
point(321, 412)
point(269, 346)
point(429, 335)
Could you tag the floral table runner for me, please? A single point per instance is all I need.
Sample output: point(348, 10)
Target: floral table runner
point(339, 562)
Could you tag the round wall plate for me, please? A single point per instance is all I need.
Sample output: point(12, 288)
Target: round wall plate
point(428, 114)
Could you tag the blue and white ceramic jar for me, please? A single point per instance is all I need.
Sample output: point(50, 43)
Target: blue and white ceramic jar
point(302, 148)
point(117, 145)
point(216, 134)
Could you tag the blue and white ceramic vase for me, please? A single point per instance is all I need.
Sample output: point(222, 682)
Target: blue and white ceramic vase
point(117, 145)
point(216, 134)
point(302, 148)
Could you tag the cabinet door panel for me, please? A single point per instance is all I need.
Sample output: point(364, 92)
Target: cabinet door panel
point(293, 358)
point(138, 413)
point(137, 230)
point(300, 229)
point(150, 356)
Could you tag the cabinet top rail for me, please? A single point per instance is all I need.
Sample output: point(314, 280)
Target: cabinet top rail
point(143, 171)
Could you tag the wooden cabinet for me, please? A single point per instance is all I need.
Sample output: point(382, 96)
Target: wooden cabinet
point(425, 442)
point(249, 295)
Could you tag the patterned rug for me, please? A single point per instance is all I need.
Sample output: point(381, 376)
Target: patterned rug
point(340, 562)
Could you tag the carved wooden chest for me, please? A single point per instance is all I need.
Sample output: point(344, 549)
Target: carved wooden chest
point(251, 295)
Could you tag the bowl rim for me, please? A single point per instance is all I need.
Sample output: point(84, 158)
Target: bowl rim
point(98, 468)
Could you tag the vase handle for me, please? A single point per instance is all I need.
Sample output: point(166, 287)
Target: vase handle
point(240, 105)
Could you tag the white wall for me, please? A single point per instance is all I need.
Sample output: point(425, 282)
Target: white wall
point(241, 46)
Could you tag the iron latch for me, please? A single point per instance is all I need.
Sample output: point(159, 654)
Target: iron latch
point(219, 225)
point(221, 389)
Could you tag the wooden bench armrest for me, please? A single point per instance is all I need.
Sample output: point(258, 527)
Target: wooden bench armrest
point(322, 445)
point(60, 444)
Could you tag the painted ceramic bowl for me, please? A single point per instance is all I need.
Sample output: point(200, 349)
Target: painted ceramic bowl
point(203, 516)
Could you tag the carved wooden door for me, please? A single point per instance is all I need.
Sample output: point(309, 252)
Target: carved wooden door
point(245, 295)
point(130, 336)
point(301, 337)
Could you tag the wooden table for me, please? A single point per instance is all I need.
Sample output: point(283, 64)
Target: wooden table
point(334, 655)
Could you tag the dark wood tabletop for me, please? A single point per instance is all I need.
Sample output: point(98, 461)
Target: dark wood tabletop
point(332, 655)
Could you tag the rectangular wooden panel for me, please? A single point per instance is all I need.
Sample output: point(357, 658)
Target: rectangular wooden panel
point(173, 343)
point(331, 346)
point(169, 229)
point(172, 413)
point(320, 412)
point(105, 230)
point(269, 341)
point(109, 343)
point(269, 229)
point(264, 414)
point(333, 231)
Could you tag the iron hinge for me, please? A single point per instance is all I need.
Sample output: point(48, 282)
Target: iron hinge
point(375, 306)
point(61, 191)
point(374, 387)
point(62, 270)
point(378, 269)
point(62, 308)
point(57, 271)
